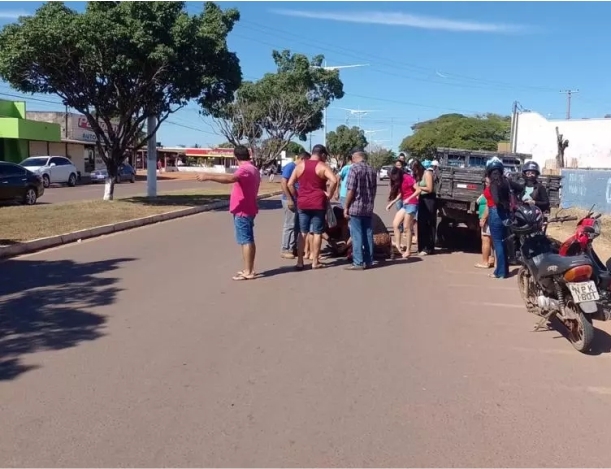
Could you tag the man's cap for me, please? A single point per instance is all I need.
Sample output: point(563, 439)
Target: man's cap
point(435, 163)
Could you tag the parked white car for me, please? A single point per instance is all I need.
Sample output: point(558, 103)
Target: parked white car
point(384, 173)
point(52, 169)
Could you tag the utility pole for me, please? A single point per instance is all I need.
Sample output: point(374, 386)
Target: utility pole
point(569, 94)
point(512, 130)
point(391, 131)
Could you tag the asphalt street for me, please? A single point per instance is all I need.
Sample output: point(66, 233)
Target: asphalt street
point(138, 349)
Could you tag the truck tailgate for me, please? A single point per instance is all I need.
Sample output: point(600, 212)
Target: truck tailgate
point(461, 184)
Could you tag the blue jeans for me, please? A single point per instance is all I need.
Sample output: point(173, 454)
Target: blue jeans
point(497, 233)
point(244, 230)
point(342, 202)
point(290, 228)
point(361, 231)
point(312, 221)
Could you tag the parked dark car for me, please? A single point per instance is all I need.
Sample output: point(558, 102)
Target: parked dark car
point(19, 184)
point(126, 173)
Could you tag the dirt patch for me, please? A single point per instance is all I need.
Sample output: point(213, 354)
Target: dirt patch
point(25, 223)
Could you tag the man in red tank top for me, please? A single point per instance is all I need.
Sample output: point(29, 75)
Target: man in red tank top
point(312, 197)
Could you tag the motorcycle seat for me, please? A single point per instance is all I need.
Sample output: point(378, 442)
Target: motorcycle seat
point(551, 264)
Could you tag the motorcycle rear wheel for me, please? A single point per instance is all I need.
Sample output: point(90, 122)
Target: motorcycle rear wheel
point(580, 330)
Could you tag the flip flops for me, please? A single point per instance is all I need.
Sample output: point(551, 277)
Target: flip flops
point(241, 276)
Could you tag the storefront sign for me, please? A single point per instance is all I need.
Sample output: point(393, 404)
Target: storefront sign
point(81, 130)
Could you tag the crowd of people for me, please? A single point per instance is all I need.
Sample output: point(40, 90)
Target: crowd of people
point(350, 226)
point(501, 195)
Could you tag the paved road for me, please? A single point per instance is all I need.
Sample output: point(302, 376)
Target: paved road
point(57, 194)
point(138, 350)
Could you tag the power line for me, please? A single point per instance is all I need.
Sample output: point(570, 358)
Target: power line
point(390, 62)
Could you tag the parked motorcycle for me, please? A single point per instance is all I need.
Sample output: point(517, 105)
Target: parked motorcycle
point(551, 285)
point(581, 243)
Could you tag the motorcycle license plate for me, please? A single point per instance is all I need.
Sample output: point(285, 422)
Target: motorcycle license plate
point(584, 291)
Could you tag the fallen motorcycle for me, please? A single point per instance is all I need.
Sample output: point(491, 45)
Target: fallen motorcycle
point(581, 243)
point(551, 285)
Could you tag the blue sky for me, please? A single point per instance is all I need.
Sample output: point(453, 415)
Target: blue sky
point(425, 59)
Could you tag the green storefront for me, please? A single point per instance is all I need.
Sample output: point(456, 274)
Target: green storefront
point(16, 131)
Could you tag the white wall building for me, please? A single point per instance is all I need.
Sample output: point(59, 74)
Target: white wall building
point(589, 140)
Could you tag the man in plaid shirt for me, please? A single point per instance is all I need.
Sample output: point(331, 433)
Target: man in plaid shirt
point(362, 185)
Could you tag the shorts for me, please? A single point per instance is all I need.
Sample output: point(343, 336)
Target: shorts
point(411, 209)
point(244, 229)
point(312, 221)
point(486, 230)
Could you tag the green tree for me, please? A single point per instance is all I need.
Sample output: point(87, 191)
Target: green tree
point(280, 106)
point(482, 132)
point(123, 61)
point(225, 145)
point(344, 139)
point(380, 156)
point(294, 148)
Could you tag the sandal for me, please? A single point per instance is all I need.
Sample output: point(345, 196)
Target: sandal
point(482, 266)
point(318, 266)
point(240, 276)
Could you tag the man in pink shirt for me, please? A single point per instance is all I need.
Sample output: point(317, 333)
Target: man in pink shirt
point(243, 205)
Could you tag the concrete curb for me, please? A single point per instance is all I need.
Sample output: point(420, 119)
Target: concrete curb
point(54, 241)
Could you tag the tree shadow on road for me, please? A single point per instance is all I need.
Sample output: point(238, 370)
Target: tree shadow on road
point(177, 200)
point(44, 305)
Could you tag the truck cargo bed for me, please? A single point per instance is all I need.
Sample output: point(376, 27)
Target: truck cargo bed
point(466, 184)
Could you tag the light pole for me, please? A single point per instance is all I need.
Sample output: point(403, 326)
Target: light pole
point(324, 111)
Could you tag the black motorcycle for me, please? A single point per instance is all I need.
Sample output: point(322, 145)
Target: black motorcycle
point(551, 285)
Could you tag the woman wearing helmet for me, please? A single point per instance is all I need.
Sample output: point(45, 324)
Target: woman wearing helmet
point(498, 200)
point(535, 193)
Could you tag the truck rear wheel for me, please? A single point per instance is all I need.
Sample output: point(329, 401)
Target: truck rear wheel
point(443, 233)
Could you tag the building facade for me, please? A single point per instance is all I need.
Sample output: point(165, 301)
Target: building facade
point(18, 135)
point(589, 140)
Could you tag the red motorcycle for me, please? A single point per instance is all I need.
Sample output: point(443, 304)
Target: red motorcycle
point(587, 230)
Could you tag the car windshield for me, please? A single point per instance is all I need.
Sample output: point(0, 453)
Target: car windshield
point(29, 162)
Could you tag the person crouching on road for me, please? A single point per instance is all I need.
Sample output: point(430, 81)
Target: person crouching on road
point(290, 228)
point(487, 251)
point(243, 205)
point(360, 199)
point(312, 198)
